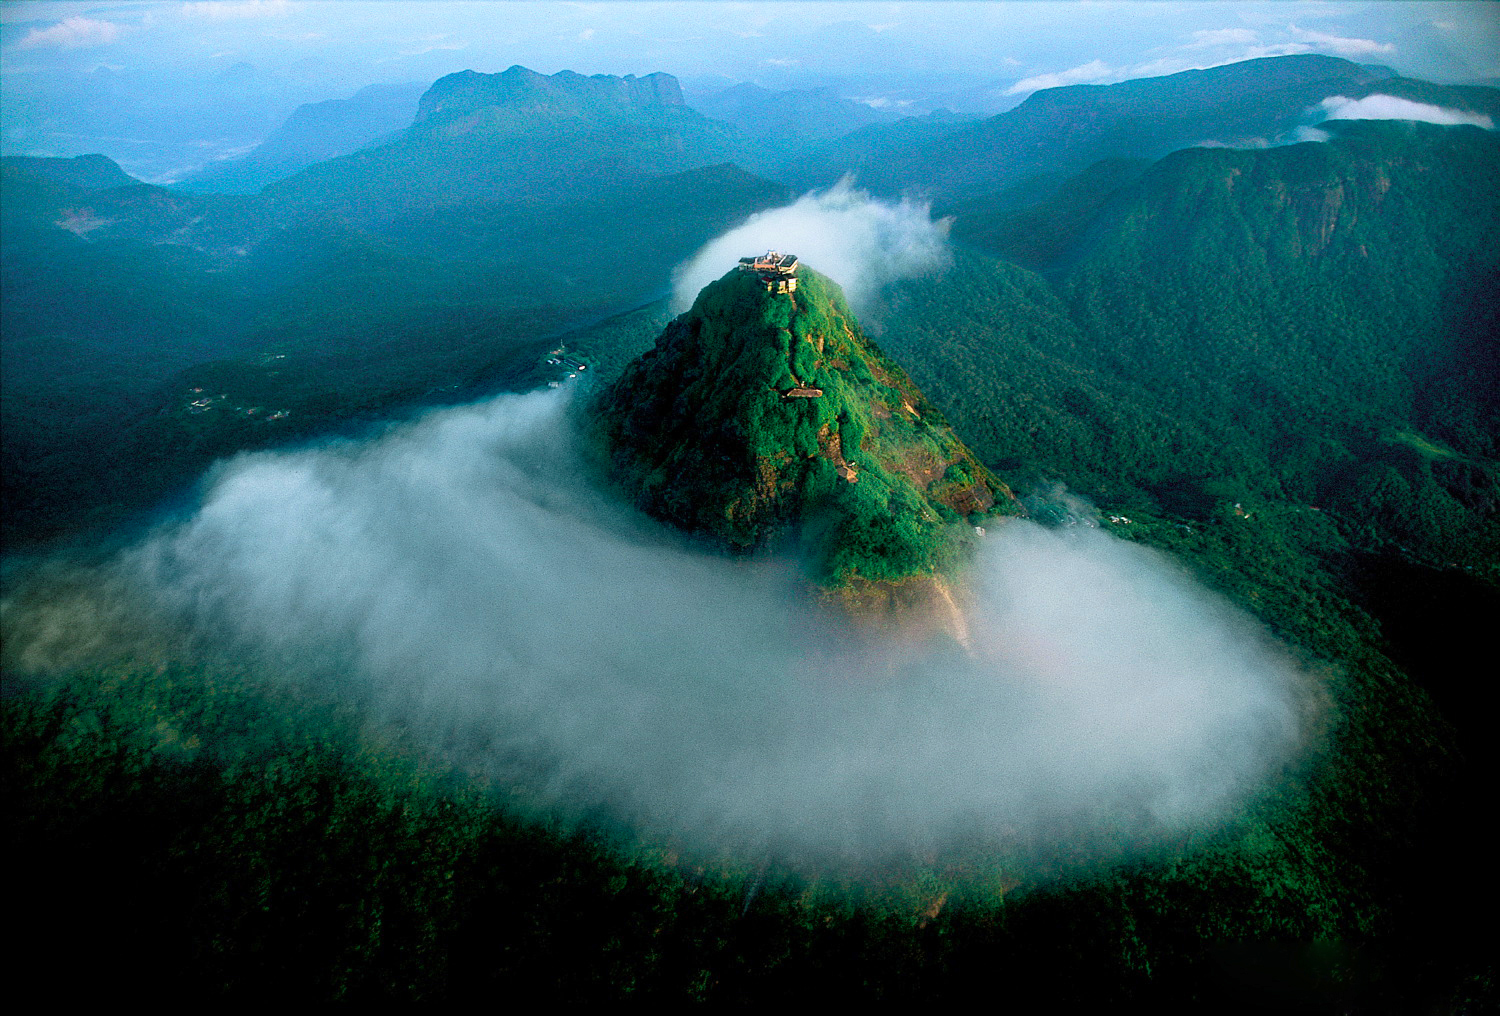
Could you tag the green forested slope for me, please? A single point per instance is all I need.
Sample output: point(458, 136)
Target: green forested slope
point(1329, 306)
point(1314, 325)
point(712, 431)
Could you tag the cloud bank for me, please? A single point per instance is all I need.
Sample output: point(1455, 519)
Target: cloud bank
point(859, 242)
point(72, 33)
point(1389, 107)
point(1341, 45)
point(1371, 107)
point(1093, 72)
point(460, 577)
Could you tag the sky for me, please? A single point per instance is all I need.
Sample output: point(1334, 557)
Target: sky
point(216, 77)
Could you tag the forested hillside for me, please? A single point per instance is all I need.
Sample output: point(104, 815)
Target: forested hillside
point(763, 416)
point(1315, 321)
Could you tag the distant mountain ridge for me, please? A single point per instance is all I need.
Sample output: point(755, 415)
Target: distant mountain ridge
point(522, 90)
point(1063, 130)
point(517, 135)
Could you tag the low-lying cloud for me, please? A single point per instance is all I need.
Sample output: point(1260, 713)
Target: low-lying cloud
point(1389, 107)
point(1341, 45)
point(858, 241)
point(1093, 72)
point(1371, 107)
point(462, 577)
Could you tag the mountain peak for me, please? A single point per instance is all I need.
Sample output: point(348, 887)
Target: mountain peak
point(765, 415)
point(519, 136)
point(522, 90)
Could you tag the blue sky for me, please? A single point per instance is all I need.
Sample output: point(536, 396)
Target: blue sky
point(77, 70)
point(405, 39)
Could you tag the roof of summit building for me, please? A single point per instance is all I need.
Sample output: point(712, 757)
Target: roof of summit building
point(770, 261)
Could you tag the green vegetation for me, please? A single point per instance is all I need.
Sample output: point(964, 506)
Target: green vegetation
point(762, 417)
point(1356, 305)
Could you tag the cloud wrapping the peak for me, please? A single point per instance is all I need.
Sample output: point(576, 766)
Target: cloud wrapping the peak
point(463, 578)
point(858, 241)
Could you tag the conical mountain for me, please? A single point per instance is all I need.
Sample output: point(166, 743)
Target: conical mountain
point(764, 416)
